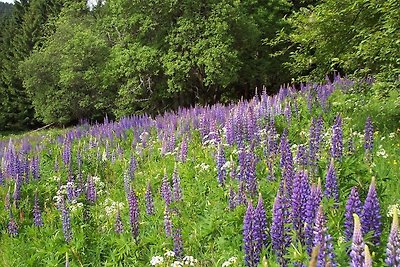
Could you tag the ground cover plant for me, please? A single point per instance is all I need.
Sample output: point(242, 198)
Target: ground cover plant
point(304, 177)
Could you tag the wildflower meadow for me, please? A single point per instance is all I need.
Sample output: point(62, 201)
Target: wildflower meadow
point(307, 177)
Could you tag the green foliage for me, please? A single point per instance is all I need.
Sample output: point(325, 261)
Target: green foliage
point(353, 37)
point(63, 77)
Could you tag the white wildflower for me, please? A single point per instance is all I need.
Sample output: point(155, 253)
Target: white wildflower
point(156, 260)
point(392, 135)
point(169, 254)
point(382, 153)
point(392, 208)
point(226, 263)
point(176, 264)
point(189, 260)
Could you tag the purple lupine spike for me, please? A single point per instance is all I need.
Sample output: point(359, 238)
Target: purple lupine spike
point(91, 194)
point(357, 246)
point(176, 184)
point(250, 174)
point(367, 258)
point(393, 245)
point(242, 163)
point(331, 186)
point(232, 199)
point(241, 195)
point(301, 191)
point(149, 200)
point(287, 164)
point(279, 235)
point(248, 237)
point(1, 177)
point(261, 220)
point(288, 112)
point(371, 217)
point(323, 240)
point(369, 136)
point(272, 143)
point(132, 167)
point(351, 146)
point(167, 222)
point(337, 139)
point(66, 221)
point(184, 150)
point(313, 202)
point(178, 243)
point(302, 157)
point(35, 168)
point(118, 226)
point(166, 193)
point(133, 213)
point(221, 160)
point(71, 194)
point(12, 226)
point(353, 205)
point(37, 215)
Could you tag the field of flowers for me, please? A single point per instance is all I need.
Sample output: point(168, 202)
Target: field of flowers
point(307, 177)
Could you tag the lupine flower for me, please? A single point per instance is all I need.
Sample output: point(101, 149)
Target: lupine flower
point(91, 194)
point(353, 205)
point(301, 191)
point(71, 189)
point(302, 157)
point(393, 245)
point(1, 177)
point(279, 234)
point(133, 213)
point(251, 237)
point(371, 217)
point(166, 193)
point(37, 215)
point(313, 202)
point(357, 253)
point(149, 200)
point(241, 195)
point(369, 136)
point(367, 258)
point(331, 186)
point(176, 184)
point(220, 165)
point(287, 164)
point(12, 227)
point(35, 168)
point(66, 221)
point(337, 139)
point(132, 167)
point(260, 218)
point(184, 150)
point(118, 226)
point(323, 240)
point(178, 243)
point(250, 174)
point(167, 222)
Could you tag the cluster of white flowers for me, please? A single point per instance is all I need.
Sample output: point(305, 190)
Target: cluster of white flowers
point(177, 264)
point(229, 262)
point(189, 261)
point(381, 152)
point(341, 240)
point(156, 260)
point(202, 166)
point(392, 135)
point(111, 206)
point(169, 254)
point(227, 166)
point(392, 208)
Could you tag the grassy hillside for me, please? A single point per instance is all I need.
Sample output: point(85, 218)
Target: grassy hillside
point(122, 193)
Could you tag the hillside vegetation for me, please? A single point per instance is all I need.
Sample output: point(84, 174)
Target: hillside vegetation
point(263, 181)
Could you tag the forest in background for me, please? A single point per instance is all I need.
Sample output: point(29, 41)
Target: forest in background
point(62, 61)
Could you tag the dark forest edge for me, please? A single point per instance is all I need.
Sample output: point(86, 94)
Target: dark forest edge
point(62, 61)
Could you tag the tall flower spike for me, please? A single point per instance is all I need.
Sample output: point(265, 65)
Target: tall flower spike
point(353, 205)
point(232, 199)
point(369, 136)
point(337, 139)
point(301, 191)
point(221, 160)
point(12, 226)
point(66, 221)
point(167, 222)
point(149, 200)
point(371, 217)
point(118, 226)
point(178, 243)
point(331, 186)
point(133, 213)
point(37, 215)
point(357, 253)
point(176, 183)
point(91, 194)
point(251, 237)
point(393, 246)
point(261, 219)
point(166, 193)
point(367, 258)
